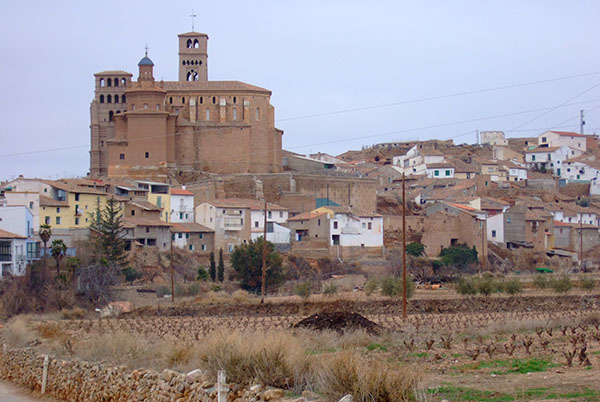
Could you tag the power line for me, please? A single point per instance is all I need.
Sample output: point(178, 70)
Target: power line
point(454, 95)
point(557, 106)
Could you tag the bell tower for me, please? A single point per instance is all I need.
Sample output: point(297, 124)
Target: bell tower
point(193, 56)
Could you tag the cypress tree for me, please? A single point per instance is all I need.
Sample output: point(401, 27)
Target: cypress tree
point(221, 269)
point(213, 267)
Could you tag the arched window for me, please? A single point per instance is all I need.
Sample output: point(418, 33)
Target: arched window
point(189, 43)
point(171, 100)
point(234, 112)
point(214, 100)
point(200, 62)
point(101, 98)
point(157, 106)
point(188, 76)
point(116, 82)
point(196, 43)
point(116, 98)
point(183, 63)
point(123, 99)
point(108, 82)
point(110, 116)
point(101, 82)
point(108, 99)
point(196, 62)
point(257, 113)
point(124, 82)
point(183, 100)
point(207, 114)
point(201, 100)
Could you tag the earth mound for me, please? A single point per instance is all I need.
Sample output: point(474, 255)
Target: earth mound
point(339, 321)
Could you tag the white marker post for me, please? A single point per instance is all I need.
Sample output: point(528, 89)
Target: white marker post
point(45, 373)
point(221, 388)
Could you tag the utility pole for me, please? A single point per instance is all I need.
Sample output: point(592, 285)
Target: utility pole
point(580, 240)
point(264, 258)
point(172, 272)
point(581, 122)
point(403, 248)
point(483, 230)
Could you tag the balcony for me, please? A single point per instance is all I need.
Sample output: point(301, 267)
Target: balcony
point(233, 223)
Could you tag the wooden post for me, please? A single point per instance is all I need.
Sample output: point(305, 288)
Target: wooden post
point(580, 241)
point(45, 373)
point(403, 248)
point(264, 258)
point(221, 389)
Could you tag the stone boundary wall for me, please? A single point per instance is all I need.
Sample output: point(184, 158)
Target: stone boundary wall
point(75, 380)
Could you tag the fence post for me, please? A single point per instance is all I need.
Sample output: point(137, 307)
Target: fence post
point(45, 373)
point(221, 388)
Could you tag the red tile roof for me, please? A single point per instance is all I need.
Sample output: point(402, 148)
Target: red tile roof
point(189, 227)
point(9, 235)
point(130, 222)
point(180, 191)
point(567, 133)
point(250, 203)
point(307, 216)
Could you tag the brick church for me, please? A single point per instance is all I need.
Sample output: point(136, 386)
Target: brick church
point(148, 128)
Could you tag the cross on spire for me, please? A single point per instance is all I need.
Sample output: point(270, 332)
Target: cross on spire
point(146, 48)
point(193, 15)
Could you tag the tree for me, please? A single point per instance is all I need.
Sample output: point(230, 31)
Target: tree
point(213, 267)
point(45, 232)
point(415, 249)
point(110, 246)
point(58, 249)
point(460, 255)
point(246, 260)
point(221, 267)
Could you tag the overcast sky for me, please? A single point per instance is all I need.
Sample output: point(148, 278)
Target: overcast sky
point(317, 57)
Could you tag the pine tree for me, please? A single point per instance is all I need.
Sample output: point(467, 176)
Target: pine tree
point(221, 269)
point(213, 267)
point(110, 244)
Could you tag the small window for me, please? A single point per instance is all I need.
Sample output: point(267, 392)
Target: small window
point(234, 100)
point(234, 113)
point(170, 100)
point(116, 98)
point(102, 83)
point(145, 106)
point(123, 99)
point(108, 99)
point(270, 214)
point(76, 196)
point(255, 224)
point(147, 155)
point(214, 99)
point(108, 82)
point(207, 116)
point(191, 247)
point(77, 221)
point(132, 212)
point(507, 220)
point(47, 220)
point(447, 173)
point(335, 224)
point(436, 172)
point(180, 235)
point(122, 156)
point(281, 214)
point(58, 220)
point(543, 139)
point(201, 235)
point(101, 98)
point(147, 229)
point(204, 247)
point(187, 235)
point(58, 210)
point(318, 222)
point(493, 233)
point(257, 113)
point(30, 204)
point(369, 225)
point(364, 225)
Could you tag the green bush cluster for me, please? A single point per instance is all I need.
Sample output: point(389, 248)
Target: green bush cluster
point(487, 284)
point(392, 287)
point(561, 283)
point(330, 289)
point(303, 290)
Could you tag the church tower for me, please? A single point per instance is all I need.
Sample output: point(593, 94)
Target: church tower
point(193, 56)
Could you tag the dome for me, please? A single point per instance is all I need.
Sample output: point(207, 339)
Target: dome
point(145, 62)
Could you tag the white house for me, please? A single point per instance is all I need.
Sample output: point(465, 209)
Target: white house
point(576, 169)
point(276, 232)
point(349, 230)
point(493, 138)
point(415, 162)
point(516, 172)
point(13, 257)
point(574, 214)
point(563, 139)
point(182, 205)
point(18, 219)
point(550, 158)
point(29, 199)
point(439, 170)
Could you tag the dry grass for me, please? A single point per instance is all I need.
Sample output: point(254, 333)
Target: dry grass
point(18, 332)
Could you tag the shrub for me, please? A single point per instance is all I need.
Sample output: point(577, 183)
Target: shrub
point(486, 286)
point(194, 289)
point(460, 255)
point(466, 286)
point(162, 291)
point(561, 284)
point(73, 314)
point(541, 282)
point(241, 296)
point(303, 290)
point(371, 286)
point(131, 274)
point(392, 287)
point(330, 289)
point(415, 249)
point(513, 286)
point(202, 274)
point(586, 283)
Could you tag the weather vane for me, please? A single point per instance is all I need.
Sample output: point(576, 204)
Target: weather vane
point(146, 48)
point(193, 15)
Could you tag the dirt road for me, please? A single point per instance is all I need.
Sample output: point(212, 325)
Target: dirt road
point(12, 393)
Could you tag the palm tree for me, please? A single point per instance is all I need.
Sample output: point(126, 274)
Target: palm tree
point(58, 251)
point(45, 232)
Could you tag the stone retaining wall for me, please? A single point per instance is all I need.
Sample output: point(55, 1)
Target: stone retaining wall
point(74, 380)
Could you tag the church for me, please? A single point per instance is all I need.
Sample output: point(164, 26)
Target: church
point(165, 129)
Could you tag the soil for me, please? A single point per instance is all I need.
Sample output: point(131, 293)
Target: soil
point(339, 321)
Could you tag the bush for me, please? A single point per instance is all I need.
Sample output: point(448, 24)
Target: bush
point(486, 286)
point(162, 291)
point(131, 274)
point(541, 282)
point(466, 286)
point(202, 274)
point(460, 255)
point(513, 286)
point(330, 289)
point(371, 286)
point(561, 284)
point(303, 290)
point(392, 287)
point(586, 283)
point(415, 249)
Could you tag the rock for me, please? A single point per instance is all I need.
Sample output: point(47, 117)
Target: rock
point(273, 394)
point(256, 388)
point(347, 398)
point(167, 375)
point(310, 396)
point(194, 375)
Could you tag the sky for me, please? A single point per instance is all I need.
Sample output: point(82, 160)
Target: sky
point(344, 74)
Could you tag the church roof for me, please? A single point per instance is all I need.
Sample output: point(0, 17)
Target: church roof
point(145, 62)
point(212, 86)
point(113, 72)
point(193, 34)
